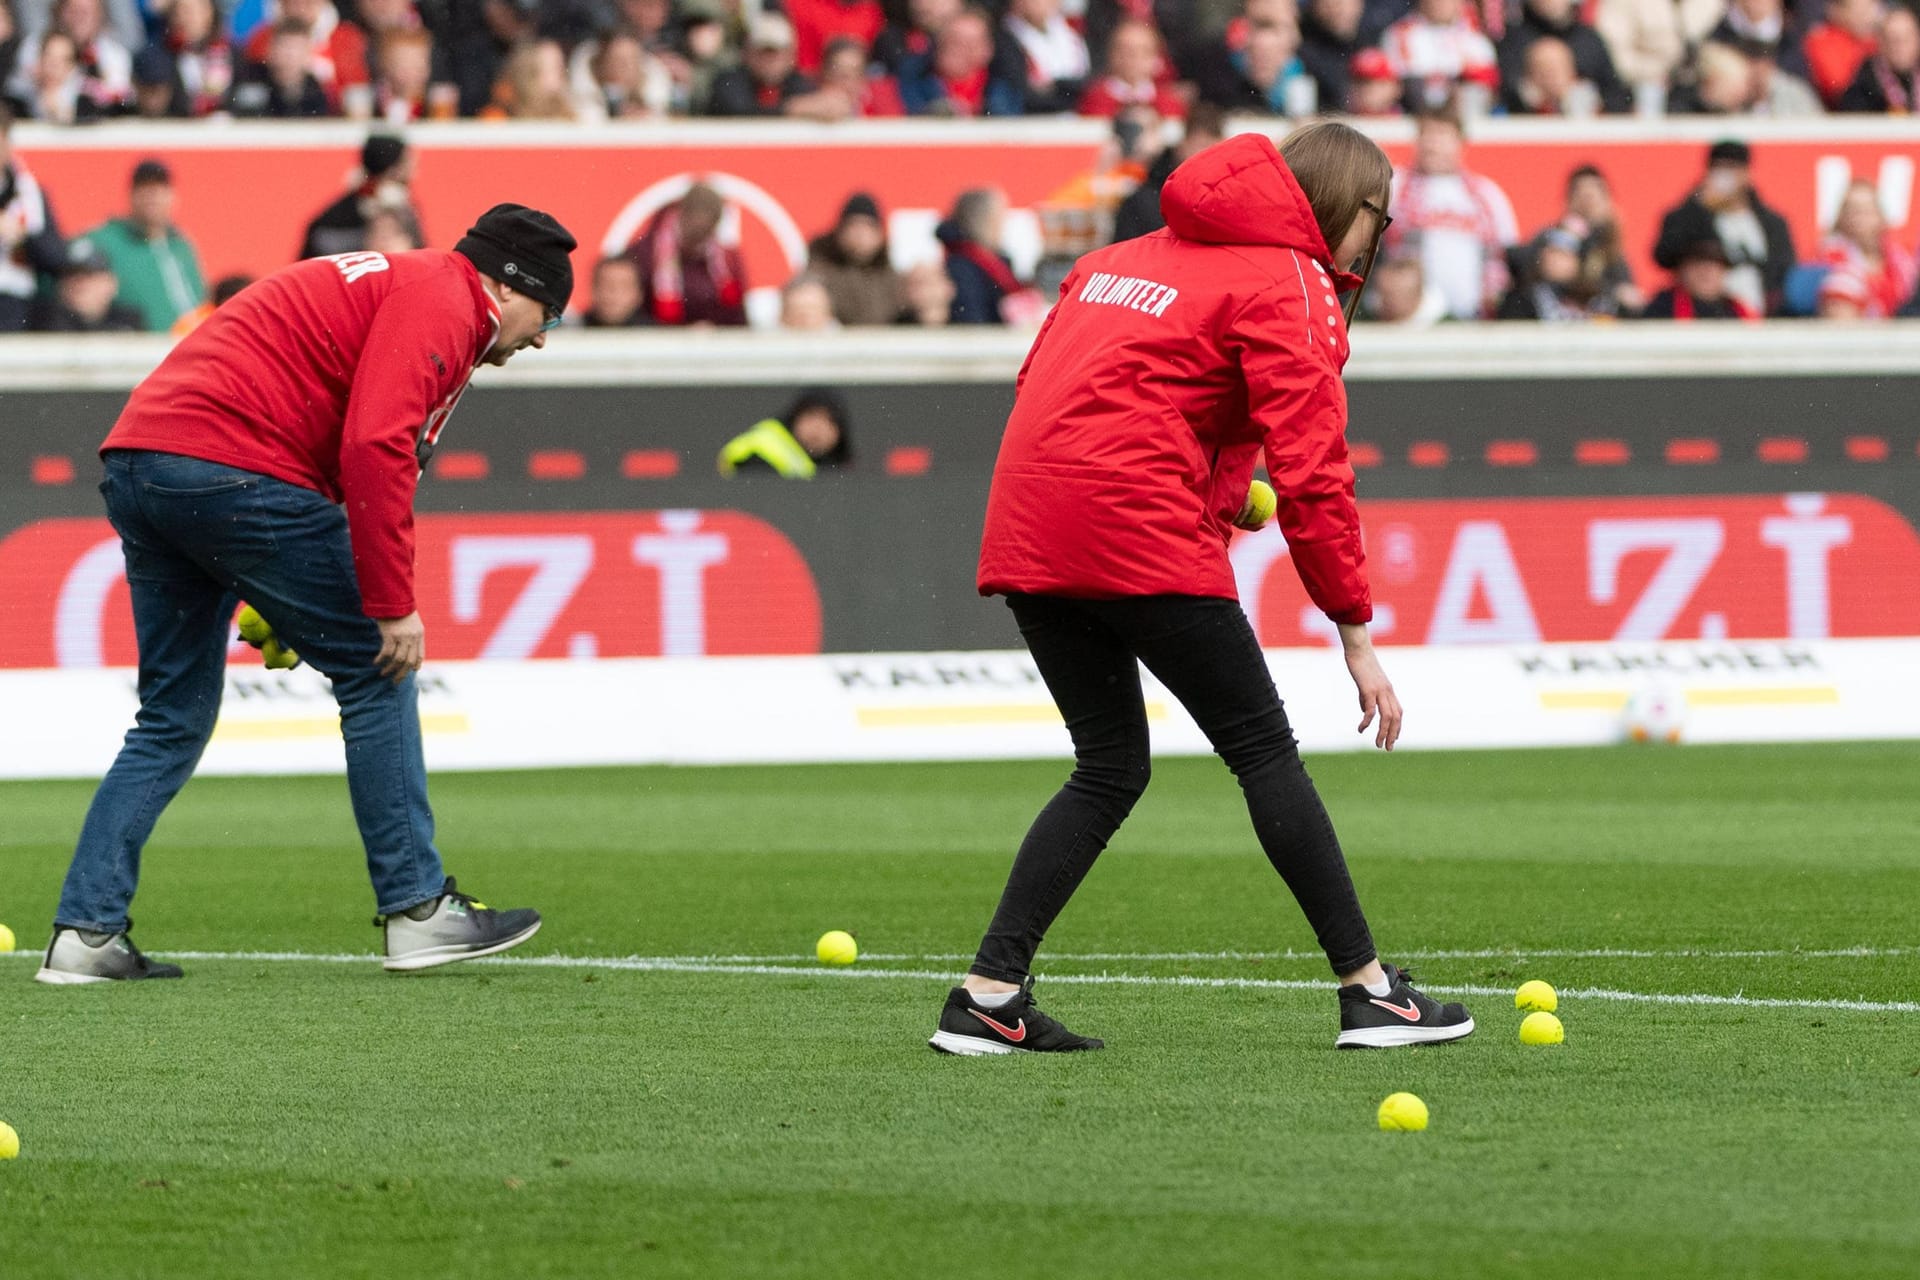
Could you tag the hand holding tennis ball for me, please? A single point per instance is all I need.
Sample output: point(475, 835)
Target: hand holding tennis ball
point(1258, 508)
point(258, 632)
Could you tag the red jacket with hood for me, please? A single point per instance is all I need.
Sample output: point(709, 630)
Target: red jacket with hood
point(1171, 365)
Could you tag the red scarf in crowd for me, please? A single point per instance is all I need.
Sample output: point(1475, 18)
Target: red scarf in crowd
point(669, 283)
point(988, 261)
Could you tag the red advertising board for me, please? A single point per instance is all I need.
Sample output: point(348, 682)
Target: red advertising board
point(685, 582)
point(245, 197)
point(1800, 566)
point(490, 587)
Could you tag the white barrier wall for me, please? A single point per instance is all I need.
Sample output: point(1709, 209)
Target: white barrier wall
point(983, 705)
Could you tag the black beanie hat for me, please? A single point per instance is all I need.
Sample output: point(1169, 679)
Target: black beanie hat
point(860, 205)
point(524, 248)
point(381, 152)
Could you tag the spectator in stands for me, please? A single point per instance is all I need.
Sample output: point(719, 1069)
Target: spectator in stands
point(1651, 41)
point(699, 57)
point(902, 45)
point(852, 262)
point(818, 23)
point(1458, 223)
point(57, 93)
point(1443, 56)
point(1560, 20)
point(1590, 213)
point(1845, 296)
point(533, 85)
point(1549, 83)
point(1374, 87)
point(158, 270)
point(929, 296)
point(1267, 75)
point(621, 80)
point(385, 181)
point(30, 242)
point(83, 299)
point(393, 231)
point(616, 301)
point(1398, 293)
point(768, 82)
point(848, 90)
point(1551, 286)
point(1135, 74)
point(1755, 241)
point(1139, 214)
point(1764, 31)
point(336, 50)
point(982, 277)
point(1836, 48)
point(283, 87)
point(1058, 66)
point(9, 42)
point(1886, 82)
point(814, 431)
point(806, 306)
point(688, 277)
point(1699, 288)
point(476, 51)
point(1329, 39)
point(187, 69)
point(959, 78)
point(1728, 82)
point(104, 63)
point(403, 70)
point(1863, 246)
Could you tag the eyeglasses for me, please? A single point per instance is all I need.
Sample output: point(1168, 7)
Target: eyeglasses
point(1386, 219)
point(554, 315)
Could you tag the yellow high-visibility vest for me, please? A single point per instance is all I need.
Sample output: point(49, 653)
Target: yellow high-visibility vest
point(770, 442)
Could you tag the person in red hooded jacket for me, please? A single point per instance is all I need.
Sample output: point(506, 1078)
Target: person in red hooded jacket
point(1172, 364)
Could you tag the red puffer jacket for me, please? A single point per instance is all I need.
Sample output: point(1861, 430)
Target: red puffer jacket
point(1169, 365)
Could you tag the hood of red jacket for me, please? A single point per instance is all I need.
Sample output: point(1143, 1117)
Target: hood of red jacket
point(1241, 192)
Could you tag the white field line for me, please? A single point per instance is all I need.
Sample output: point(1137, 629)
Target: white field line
point(1410, 956)
point(698, 964)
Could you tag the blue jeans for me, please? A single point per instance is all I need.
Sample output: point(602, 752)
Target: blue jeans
point(199, 537)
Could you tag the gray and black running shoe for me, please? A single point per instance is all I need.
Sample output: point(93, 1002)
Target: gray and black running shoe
point(76, 957)
point(450, 928)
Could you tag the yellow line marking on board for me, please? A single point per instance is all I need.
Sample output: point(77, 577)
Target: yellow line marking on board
point(321, 727)
point(1616, 699)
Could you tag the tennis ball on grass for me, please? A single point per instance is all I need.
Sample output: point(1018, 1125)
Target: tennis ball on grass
point(9, 1141)
point(6, 939)
point(1403, 1113)
point(1541, 1028)
point(1536, 995)
point(836, 946)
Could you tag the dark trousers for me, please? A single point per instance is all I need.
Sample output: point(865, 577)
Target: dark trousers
point(1205, 652)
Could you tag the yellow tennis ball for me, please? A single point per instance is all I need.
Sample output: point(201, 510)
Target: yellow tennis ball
point(1403, 1113)
point(1264, 501)
point(6, 939)
point(9, 1141)
point(836, 946)
point(254, 629)
point(1536, 995)
point(277, 657)
point(1541, 1028)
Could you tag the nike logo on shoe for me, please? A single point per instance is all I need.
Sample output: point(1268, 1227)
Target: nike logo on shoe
point(1015, 1034)
point(1411, 1013)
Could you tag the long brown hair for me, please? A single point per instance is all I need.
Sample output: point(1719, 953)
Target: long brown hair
point(1340, 169)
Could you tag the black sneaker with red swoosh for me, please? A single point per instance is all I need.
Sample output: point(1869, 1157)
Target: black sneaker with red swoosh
point(1402, 1016)
point(971, 1030)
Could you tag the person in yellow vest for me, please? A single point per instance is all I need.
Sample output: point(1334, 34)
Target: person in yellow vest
point(811, 435)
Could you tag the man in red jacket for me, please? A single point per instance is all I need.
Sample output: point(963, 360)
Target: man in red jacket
point(272, 458)
point(1171, 365)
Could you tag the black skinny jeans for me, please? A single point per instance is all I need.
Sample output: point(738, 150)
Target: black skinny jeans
point(1204, 651)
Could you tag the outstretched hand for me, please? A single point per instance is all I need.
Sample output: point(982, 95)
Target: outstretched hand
point(1377, 698)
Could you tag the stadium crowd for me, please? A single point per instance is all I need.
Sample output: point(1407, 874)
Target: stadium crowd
point(1167, 72)
point(72, 61)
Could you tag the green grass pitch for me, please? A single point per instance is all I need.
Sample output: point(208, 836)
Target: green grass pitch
point(764, 1116)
